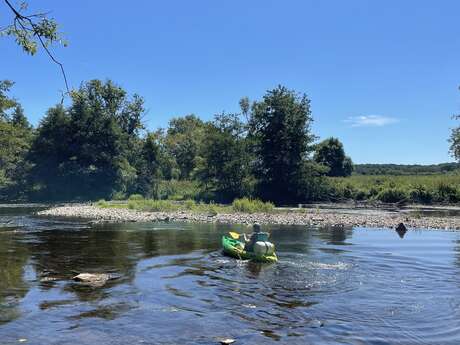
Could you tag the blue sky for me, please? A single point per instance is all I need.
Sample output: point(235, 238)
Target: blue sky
point(382, 76)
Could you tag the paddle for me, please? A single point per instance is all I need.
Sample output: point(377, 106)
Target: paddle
point(234, 235)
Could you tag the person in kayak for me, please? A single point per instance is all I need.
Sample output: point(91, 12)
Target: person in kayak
point(257, 235)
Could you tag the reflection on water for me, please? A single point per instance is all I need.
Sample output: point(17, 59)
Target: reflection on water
point(331, 286)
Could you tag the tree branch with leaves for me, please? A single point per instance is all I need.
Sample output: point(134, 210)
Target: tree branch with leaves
point(32, 31)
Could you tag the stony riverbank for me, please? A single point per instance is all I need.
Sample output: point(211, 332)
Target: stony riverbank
point(312, 217)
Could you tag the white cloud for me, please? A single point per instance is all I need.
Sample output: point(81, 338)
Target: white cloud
point(370, 121)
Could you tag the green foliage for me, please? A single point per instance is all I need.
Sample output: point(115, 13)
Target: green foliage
point(97, 148)
point(331, 154)
point(15, 138)
point(91, 149)
point(135, 197)
point(447, 193)
point(391, 195)
point(18, 118)
point(152, 205)
point(178, 190)
point(189, 204)
point(183, 140)
point(102, 203)
point(223, 169)
point(279, 130)
point(246, 205)
point(414, 189)
point(32, 30)
point(118, 196)
point(6, 103)
point(455, 141)
point(420, 194)
point(401, 169)
point(148, 166)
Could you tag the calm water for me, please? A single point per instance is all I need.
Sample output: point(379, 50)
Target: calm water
point(331, 286)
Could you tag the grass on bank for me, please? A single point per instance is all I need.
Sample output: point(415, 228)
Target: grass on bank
point(137, 202)
point(415, 189)
point(391, 189)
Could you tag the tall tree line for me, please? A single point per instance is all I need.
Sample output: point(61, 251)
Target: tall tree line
point(98, 147)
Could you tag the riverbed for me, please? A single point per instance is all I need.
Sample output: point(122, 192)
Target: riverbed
point(172, 285)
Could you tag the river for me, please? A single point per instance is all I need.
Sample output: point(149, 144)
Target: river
point(174, 286)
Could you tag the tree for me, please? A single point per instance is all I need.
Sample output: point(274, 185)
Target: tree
point(348, 166)
point(455, 141)
point(148, 170)
point(18, 118)
point(6, 103)
point(183, 139)
point(279, 129)
point(15, 138)
point(245, 106)
point(224, 165)
point(89, 150)
point(47, 154)
point(331, 154)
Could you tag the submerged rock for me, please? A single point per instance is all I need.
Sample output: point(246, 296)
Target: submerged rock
point(93, 279)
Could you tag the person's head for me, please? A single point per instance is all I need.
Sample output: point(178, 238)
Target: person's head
point(256, 227)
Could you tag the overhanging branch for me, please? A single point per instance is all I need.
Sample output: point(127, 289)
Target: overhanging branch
point(29, 27)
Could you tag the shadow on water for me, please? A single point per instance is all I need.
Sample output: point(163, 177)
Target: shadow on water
point(333, 285)
point(13, 287)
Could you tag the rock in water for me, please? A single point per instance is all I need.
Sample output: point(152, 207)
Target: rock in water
point(401, 230)
point(93, 279)
point(227, 341)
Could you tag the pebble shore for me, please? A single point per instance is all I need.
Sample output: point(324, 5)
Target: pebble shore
point(310, 217)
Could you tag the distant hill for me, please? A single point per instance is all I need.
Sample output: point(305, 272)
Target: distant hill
point(402, 169)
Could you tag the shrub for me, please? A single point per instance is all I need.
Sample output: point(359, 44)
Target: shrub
point(132, 204)
point(152, 205)
point(178, 190)
point(135, 197)
point(119, 196)
point(360, 195)
point(102, 203)
point(212, 209)
point(251, 206)
point(391, 195)
point(189, 204)
point(420, 194)
point(447, 193)
point(421, 188)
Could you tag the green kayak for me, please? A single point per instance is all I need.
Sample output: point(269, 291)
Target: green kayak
point(235, 248)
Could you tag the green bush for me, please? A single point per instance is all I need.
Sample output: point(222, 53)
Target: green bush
point(246, 205)
point(134, 197)
point(360, 194)
point(420, 194)
point(189, 204)
point(178, 190)
point(119, 196)
point(132, 204)
point(212, 209)
point(423, 189)
point(152, 205)
point(102, 203)
point(391, 195)
point(447, 193)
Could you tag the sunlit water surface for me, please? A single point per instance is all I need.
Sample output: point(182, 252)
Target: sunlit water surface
point(173, 286)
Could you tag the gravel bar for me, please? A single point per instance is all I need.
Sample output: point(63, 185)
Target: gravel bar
point(319, 217)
